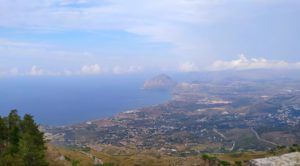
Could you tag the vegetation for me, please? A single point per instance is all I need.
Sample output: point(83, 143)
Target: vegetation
point(110, 158)
point(21, 142)
point(213, 160)
point(294, 148)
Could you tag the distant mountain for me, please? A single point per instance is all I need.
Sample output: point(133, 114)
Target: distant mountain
point(160, 82)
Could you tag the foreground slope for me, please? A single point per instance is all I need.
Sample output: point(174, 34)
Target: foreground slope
point(59, 156)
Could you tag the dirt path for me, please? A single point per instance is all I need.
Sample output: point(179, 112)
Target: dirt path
point(261, 139)
point(233, 145)
point(222, 135)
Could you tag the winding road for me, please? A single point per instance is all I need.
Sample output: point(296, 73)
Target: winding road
point(261, 139)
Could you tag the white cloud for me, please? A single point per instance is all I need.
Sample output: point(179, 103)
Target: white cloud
point(243, 63)
point(35, 71)
point(126, 70)
point(179, 23)
point(102, 14)
point(67, 72)
point(13, 71)
point(168, 21)
point(188, 67)
point(91, 69)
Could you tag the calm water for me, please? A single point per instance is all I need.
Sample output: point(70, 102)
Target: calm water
point(67, 100)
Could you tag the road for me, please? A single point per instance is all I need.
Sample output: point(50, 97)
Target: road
point(261, 139)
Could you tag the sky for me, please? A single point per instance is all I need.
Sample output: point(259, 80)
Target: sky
point(93, 37)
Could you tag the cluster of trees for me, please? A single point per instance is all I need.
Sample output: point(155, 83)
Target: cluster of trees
point(21, 142)
point(294, 148)
point(214, 161)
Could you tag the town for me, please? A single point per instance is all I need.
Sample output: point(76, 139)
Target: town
point(200, 118)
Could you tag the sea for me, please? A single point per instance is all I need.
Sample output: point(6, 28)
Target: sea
point(69, 100)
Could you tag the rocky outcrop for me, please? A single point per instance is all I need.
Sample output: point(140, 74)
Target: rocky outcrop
point(160, 82)
point(290, 159)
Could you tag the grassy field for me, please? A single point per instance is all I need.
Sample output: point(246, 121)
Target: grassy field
point(64, 157)
point(111, 156)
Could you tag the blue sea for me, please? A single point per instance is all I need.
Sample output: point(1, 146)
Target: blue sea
point(70, 100)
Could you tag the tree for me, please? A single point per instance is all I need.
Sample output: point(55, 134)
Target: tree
point(11, 160)
point(238, 163)
point(205, 157)
point(211, 159)
point(224, 163)
point(32, 147)
point(3, 135)
point(13, 132)
point(21, 142)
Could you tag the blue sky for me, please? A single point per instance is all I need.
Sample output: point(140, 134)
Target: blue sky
point(74, 37)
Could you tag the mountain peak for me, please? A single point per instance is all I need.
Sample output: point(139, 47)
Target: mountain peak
point(159, 82)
